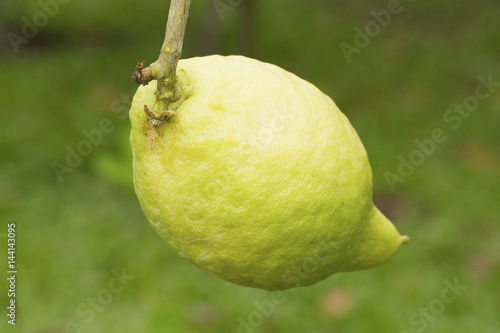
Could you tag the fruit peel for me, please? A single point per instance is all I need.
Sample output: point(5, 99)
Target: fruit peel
point(258, 178)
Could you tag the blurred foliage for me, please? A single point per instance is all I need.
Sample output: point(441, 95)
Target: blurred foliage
point(72, 234)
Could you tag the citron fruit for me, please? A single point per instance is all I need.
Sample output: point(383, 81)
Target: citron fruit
point(258, 178)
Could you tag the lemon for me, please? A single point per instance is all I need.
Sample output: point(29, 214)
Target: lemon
point(258, 178)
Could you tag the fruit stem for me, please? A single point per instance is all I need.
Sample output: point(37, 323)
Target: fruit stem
point(164, 69)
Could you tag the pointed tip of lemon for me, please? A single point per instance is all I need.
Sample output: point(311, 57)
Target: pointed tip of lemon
point(405, 239)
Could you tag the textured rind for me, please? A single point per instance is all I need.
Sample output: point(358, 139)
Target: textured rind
point(259, 178)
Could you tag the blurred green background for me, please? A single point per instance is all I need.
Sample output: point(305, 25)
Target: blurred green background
point(77, 231)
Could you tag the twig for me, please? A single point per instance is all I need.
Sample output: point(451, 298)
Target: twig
point(164, 69)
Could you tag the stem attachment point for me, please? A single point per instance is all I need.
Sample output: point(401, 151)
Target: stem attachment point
point(169, 94)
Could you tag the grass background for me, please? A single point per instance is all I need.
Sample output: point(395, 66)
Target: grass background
point(71, 235)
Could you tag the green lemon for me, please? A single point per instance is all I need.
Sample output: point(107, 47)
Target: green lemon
point(258, 178)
